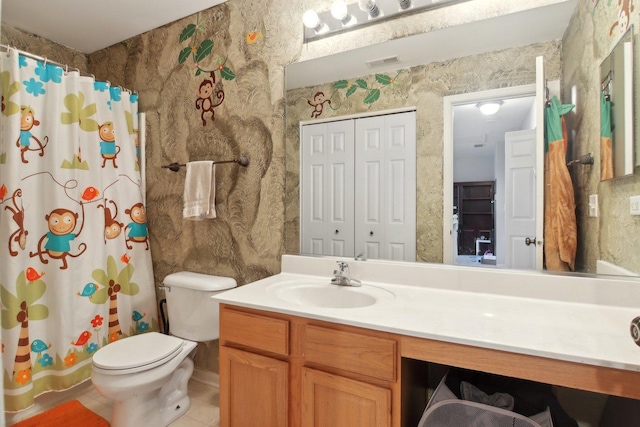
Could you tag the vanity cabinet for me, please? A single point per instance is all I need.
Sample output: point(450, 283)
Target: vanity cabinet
point(280, 370)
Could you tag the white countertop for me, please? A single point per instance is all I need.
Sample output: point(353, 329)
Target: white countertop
point(504, 310)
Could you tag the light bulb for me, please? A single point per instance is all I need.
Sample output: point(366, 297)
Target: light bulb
point(370, 7)
point(489, 108)
point(339, 10)
point(310, 19)
point(404, 4)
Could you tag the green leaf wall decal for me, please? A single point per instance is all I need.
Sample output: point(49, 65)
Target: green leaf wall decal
point(203, 50)
point(188, 32)
point(341, 84)
point(372, 96)
point(383, 79)
point(184, 54)
point(352, 90)
point(227, 74)
point(361, 83)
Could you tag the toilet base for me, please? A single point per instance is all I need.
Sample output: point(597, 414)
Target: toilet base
point(158, 407)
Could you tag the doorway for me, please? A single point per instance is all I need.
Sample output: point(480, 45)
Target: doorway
point(475, 176)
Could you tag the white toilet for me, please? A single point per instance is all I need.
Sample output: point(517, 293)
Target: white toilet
point(146, 375)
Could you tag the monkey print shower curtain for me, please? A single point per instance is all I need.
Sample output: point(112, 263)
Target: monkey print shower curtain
point(75, 265)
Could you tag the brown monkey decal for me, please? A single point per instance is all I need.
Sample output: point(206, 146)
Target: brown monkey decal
point(624, 16)
point(27, 122)
point(206, 94)
point(20, 235)
point(138, 228)
point(108, 148)
point(61, 223)
point(112, 228)
point(318, 104)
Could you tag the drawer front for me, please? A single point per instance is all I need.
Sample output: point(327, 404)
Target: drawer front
point(259, 332)
point(353, 352)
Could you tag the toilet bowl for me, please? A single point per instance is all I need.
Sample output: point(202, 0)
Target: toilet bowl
point(146, 375)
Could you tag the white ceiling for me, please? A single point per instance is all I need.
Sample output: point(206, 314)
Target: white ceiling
point(91, 25)
point(472, 128)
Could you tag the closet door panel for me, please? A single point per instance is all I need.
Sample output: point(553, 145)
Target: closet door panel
point(400, 176)
point(313, 150)
point(326, 188)
point(370, 189)
point(340, 184)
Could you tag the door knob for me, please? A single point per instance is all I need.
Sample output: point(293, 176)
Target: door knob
point(528, 241)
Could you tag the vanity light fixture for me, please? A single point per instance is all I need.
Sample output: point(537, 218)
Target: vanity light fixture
point(489, 108)
point(340, 11)
point(347, 15)
point(311, 20)
point(370, 7)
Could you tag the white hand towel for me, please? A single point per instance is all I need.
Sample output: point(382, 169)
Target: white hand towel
point(200, 191)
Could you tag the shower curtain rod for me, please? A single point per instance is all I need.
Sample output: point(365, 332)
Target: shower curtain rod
point(47, 60)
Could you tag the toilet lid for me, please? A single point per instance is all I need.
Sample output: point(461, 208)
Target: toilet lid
point(151, 348)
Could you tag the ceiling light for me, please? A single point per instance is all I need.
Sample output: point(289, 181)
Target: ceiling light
point(404, 4)
point(489, 108)
point(311, 20)
point(370, 7)
point(340, 11)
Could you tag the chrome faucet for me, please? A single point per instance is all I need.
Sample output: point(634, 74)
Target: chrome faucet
point(341, 276)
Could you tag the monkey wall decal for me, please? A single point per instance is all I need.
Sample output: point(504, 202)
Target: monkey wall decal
point(112, 227)
point(108, 148)
point(138, 227)
point(61, 223)
point(206, 94)
point(20, 235)
point(624, 16)
point(27, 122)
point(318, 104)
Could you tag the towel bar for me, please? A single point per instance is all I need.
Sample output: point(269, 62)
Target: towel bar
point(242, 161)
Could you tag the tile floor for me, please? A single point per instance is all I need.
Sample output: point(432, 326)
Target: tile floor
point(204, 409)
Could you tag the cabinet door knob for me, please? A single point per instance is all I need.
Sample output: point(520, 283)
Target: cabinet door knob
point(371, 233)
point(337, 231)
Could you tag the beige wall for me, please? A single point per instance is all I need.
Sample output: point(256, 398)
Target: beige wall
point(613, 236)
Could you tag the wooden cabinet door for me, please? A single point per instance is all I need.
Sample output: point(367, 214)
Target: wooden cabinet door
point(333, 401)
point(253, 390)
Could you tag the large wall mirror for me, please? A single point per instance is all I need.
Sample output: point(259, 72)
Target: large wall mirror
point(471, 58)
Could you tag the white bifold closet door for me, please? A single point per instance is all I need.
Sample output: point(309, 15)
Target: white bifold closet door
point(358, 187)
point(385, 187)
point(326, 189)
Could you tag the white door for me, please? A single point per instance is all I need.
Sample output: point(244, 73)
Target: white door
point(541, 96)
point(326, 189)
point(520, 198)
point(385, 187)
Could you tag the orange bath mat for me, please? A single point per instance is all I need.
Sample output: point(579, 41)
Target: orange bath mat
point(70, 414)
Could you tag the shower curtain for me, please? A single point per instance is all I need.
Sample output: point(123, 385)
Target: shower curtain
point(75, 265)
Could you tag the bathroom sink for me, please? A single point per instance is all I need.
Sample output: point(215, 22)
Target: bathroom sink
point(324, 294)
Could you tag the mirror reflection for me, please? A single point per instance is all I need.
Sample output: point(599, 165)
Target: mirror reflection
point(424, 85)
point(616, 110)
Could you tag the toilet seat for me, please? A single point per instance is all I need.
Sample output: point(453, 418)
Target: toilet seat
point(137, 353)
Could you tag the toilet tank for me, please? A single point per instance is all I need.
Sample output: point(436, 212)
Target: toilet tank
point(193, 313)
